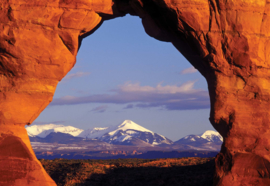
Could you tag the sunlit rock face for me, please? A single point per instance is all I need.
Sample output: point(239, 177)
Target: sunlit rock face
point(226, 40)
point(39, 40)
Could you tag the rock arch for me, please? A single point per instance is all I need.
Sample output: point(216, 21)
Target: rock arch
point(226, 40)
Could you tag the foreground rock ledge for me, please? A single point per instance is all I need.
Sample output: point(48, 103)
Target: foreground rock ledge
point(226, 40)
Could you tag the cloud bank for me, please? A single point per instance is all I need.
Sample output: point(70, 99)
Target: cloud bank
point(171, 97)
point(190, 70)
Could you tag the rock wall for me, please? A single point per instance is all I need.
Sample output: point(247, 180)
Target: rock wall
point(226, 40)
point(39, 40)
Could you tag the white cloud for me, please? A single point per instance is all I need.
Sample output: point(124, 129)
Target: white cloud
point(172, 97)
point(76, 75)
point(159, 89)
point(189, 70)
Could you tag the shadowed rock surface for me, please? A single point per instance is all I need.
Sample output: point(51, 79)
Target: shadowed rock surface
point(226, 40)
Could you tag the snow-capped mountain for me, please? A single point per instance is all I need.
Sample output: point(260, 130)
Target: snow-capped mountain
point(96, 132)
point(209, 140)
point(211, 135)
point(192, 139)
point(207, 136)
point(44, 130)
point(129, 132)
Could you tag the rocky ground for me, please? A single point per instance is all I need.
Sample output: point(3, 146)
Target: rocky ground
point(131, 172)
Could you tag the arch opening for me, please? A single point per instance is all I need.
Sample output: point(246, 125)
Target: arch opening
point(104, 68)
point(147, 69)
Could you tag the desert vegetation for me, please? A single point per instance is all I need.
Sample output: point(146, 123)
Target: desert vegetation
point(131, 172)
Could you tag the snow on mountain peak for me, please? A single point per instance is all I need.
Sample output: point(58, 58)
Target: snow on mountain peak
point(127, 123)
point(130, 125)
point(44, 130)
point(129, 132)
point(210, 135)
point(95, 132)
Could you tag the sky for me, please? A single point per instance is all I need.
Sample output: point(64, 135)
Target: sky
point(122, 73)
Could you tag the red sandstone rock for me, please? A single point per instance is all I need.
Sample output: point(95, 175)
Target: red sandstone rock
point(226, 40)
point(39, 41)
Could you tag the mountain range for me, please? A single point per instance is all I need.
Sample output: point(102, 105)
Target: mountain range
point(126, 134)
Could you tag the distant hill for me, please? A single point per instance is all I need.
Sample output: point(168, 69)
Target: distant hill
point(145, 155)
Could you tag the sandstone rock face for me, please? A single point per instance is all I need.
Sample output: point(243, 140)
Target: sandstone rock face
point(228, 41)
point(39, 40)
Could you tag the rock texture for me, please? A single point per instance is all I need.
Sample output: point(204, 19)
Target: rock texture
point(39, 40)
point(228, 41)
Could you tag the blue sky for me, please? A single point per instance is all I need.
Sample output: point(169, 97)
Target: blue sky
point(122, 73)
